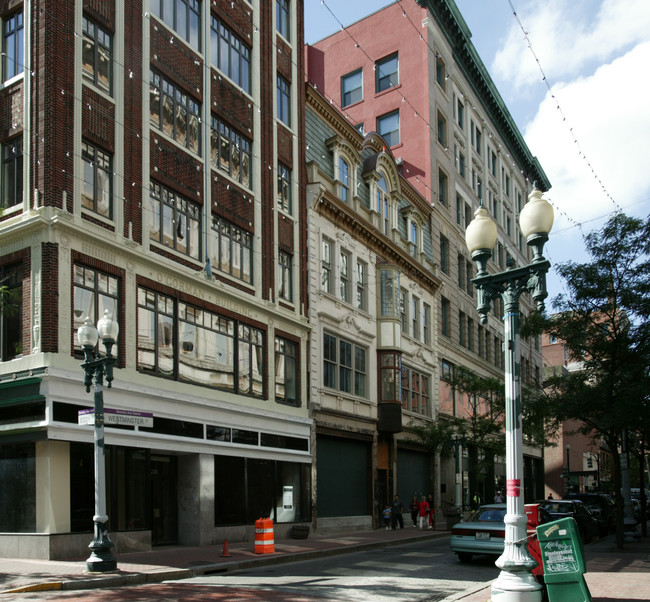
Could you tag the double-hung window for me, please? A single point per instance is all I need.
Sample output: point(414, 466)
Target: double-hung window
point(230, 152)
point(94, 293)
point(415, 317)
point(96, 66)
point(352, 88)
point(183, 16)
point(387, 72)
point(176, 221)
point(282, 17)
point(284, 100)
point(415, 391)
point(388, 127)
point(284, 188)
point(344, 180)
point(382, 205)
point(286, 371)
point(232, 250)
point(230, 55)
point(285, 276)
point(326, 266)
point(13, 43)
point(12, 173)
point(174, 113)
point(96, 193)
point(345, 277)
point(362, 295)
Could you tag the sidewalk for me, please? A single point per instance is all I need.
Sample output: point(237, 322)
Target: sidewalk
point(608, 576)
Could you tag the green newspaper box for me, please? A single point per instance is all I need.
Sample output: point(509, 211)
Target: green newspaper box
point(564, 561)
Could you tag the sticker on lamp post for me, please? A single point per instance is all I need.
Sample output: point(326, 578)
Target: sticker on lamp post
point(119, 417)
point(513, 487)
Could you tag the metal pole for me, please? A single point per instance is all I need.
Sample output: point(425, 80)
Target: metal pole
point(515, 582)
point(101, 559)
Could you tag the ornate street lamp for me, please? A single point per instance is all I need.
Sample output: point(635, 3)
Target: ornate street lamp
point(515, 581)
point(95, 367)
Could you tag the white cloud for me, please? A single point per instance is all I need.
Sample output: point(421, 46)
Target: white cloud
point(607, 113)
point(567, 36)
point(609, 117)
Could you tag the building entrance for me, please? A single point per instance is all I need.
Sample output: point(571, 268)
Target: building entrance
point(164, 505)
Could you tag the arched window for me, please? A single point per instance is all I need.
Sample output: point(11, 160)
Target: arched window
point(382, 205)
point(344, 180)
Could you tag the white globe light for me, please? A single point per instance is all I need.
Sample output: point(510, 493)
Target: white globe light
point(481, 233)
point(537, 215)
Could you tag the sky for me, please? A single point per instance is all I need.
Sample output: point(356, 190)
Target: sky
point(574, 76)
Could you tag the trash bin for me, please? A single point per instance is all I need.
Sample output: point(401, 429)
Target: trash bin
point(564, 561)
point(453, 517)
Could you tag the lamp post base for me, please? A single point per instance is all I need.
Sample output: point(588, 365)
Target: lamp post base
point(101, 559)
point(516, 587)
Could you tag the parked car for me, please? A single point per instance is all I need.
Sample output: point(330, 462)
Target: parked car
point(485, 531)
point(602, 507)
point(587, 523)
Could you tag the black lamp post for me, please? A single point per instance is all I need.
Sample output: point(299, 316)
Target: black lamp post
point(95, 367)
point(515, 582)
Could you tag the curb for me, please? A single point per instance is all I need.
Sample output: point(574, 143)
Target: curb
point(119, 580)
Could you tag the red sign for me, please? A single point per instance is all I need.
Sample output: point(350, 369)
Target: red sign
point(513, 487)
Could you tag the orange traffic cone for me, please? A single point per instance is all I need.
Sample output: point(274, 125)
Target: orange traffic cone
point(225, 554)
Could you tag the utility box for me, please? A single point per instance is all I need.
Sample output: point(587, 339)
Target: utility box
point(564, 561)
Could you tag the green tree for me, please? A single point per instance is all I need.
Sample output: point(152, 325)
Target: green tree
point(603, 320)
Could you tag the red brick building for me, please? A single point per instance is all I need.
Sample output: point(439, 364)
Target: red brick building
point(152, 166)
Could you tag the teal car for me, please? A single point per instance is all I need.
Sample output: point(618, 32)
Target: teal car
point(483, 533)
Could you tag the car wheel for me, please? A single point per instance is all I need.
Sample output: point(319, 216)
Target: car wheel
point(464, 556)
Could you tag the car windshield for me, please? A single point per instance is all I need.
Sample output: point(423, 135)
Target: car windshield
point(493, 515)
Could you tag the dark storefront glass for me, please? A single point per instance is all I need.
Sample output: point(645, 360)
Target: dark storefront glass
point(17, 482)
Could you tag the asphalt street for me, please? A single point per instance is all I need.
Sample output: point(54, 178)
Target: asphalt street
point(422, 571)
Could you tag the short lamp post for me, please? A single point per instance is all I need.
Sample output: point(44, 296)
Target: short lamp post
point(515, 582)
point(95, 367)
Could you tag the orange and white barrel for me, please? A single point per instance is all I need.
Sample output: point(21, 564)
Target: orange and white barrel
point(264, 542)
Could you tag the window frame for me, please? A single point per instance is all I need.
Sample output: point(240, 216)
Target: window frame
point(160, 197)
point(283, 18)
point(13, 44)
point(344, 179)
point(285, 276)
point(238, 164)
point(101, 286)
point(384, 81)
point(192, 7)
point(98, 39)
point(350, 96)
point(11, 174)
point(11, 321)
point(167, 92)
point(283, 98)
point(345, 275)
point(97, 162)
point(283, 193)
point(243, 343)
point(361, 285)
point(327, 247)
point(240, 245)
point(389, 136)
point(237, 65)
point(355, 371)
point(290, 368)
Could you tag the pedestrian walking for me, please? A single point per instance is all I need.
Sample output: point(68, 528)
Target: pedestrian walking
point(397, 510)
point(413, 507)
point(498, 498)
point(431, 511)
point(423, 513)
point(386, 513)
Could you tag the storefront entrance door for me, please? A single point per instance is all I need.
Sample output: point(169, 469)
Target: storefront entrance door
point(164, 523)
